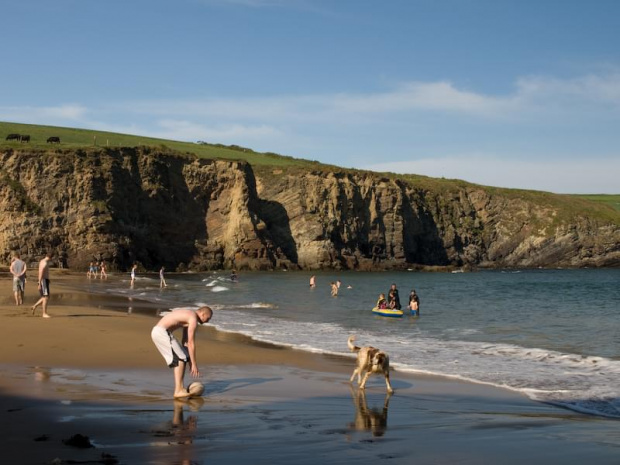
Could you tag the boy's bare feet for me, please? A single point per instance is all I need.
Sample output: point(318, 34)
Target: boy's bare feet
point(184, 394)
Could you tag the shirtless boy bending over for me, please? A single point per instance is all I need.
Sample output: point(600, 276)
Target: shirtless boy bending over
point(176, 354)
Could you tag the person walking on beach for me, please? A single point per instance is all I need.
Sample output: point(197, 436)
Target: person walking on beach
point(44, 286)
point(162, 280)
point(103, 274)
point(178, 355)
point(133, 276)
point(18, 270)
point(91, 270)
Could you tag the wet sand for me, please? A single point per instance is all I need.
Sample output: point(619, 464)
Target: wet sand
point(93, 371)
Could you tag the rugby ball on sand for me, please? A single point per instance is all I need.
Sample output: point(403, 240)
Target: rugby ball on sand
point(196, 389)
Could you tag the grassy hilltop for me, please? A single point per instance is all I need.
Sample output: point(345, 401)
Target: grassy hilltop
point(83, 138)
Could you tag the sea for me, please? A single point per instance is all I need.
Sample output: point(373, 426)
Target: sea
point(553, 335)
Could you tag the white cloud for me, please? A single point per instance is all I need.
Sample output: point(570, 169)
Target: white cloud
point(226, 133)
point(533, 97)
point(541, 117)
point(587, 175)
point(43, 115)
point(592, 88)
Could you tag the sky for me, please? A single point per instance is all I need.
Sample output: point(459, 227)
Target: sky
point(508, 93)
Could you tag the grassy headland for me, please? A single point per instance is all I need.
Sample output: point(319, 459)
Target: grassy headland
point(266, 162)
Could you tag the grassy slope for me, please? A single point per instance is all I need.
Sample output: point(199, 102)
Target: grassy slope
point(605, 207)
point(611, 200)
point(80, 138)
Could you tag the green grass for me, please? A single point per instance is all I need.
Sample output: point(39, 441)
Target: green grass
point(82, 138)
point(606, 199)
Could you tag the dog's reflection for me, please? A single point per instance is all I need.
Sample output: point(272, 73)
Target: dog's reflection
point(369, 419)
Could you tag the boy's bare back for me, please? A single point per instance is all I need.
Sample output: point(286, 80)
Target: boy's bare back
point(177, 319)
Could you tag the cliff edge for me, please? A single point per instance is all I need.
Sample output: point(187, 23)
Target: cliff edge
point(157, 207)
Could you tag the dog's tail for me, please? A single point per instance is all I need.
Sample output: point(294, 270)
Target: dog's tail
point(352, 347)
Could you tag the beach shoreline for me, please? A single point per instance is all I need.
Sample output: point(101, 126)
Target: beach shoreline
point(94, 371)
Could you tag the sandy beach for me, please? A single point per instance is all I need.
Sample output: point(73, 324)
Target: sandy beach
point(92, 370)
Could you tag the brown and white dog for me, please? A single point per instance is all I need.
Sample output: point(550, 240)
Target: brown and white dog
point(369, 360)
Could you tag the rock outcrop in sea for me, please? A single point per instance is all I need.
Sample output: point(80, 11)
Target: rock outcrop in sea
point(157, 207)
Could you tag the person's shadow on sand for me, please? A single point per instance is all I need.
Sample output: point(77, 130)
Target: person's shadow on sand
point(218, 387)
point(369, 419)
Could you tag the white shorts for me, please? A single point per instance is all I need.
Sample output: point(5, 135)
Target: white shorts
point(169, 347)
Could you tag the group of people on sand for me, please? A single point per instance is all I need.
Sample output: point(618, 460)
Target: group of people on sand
point(177, 354)
point(393, 300)
point(97, 268)
point(18, 270)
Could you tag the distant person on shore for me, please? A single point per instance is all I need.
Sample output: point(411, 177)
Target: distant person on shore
point(44, 286)
point(91, 270)
point(178, 355)
point(334, 289)
point(414, 302)
point(381, 302)
point(312, 281)
point(396, 296)
point(103, 273)
point(18, 270)
point(133, 276)
point(162, 280)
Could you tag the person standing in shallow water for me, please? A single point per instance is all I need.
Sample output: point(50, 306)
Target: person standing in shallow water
point(414, 302)
point(312, 282)
point(334, 289)
point(162, 280)
point(103, 274)
point(178, 355)
point(396, 296)
point(133, 276)
point(44, 286)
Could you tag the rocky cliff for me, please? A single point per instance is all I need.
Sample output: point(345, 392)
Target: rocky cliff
point(155, 207)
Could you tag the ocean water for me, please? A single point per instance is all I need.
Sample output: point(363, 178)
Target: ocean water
point(553, 335)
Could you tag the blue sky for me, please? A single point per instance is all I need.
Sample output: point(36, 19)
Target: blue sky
point(522, 93)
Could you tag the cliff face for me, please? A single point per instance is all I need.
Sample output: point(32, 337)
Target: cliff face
point(158, 208)
point(347, 220)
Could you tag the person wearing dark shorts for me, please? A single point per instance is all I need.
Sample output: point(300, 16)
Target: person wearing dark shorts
point(44, 286)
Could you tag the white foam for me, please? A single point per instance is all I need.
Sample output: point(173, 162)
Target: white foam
point(219, 289)
point(258, 305)
point(581, 383)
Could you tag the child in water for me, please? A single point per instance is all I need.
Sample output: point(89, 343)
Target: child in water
point(414, 302)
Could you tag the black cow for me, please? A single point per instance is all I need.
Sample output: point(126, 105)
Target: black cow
point(25, 138)
point(53, 140)
point(13, 137)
